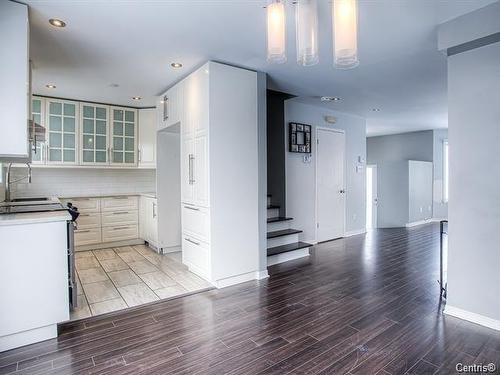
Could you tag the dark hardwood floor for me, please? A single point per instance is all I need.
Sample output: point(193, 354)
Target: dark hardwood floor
point(361, 305)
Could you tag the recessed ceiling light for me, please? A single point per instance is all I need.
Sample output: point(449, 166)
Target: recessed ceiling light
point(136, 98)
point(176, 65)
point(375, 109)
point(57, 22)
point(50, 86)
point(330, 99)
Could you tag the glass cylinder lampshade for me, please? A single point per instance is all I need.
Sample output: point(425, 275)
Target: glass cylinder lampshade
point(345, 33)
point(276, 29)
point(306, 20)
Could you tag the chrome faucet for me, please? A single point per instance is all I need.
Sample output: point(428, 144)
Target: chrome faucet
point(8, 181)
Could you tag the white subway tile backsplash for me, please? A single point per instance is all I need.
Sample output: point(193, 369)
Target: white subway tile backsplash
point(67, 182)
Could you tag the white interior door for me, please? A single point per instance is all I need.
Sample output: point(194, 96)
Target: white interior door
point(371, 197)
point(330, 204)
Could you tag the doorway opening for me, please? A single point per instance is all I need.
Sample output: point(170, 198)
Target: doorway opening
point(371, 197)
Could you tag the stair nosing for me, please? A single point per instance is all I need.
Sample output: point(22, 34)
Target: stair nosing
point(282, 233)
point(299, 245)
point(278, 219)
point(272, 206)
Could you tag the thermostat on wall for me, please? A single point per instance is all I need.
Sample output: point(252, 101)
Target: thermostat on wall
point(331, 119)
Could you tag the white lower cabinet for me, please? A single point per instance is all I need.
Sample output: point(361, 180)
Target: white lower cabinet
point(104, 220)
point(120, 233)
point(119, 218)
point(196, 255)
point(148, 220)
point(196, 222)
point(88, 236)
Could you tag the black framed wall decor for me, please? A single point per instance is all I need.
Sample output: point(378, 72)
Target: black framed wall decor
point(299, 138)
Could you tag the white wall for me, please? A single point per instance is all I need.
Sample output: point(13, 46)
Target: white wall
point(474, 203)
point(168, 187)
point(301, 177)
point(67, 182)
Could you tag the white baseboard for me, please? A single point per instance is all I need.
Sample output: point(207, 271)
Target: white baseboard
point(233, 280)
point(420, 222)
point(285, 257)
point(472, 317)
point(28, 337)
point(259, 275)
point(312, 242)
point(354, 232)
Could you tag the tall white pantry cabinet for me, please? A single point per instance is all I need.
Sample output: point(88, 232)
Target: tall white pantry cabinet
point(216, 107)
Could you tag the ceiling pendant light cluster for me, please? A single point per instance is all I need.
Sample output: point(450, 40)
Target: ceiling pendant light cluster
point(345, 32)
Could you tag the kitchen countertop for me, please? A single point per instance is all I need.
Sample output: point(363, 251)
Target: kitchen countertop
point(97, 195)
point(34, 217)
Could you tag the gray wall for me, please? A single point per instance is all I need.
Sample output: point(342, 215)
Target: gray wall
point(474, 204)
point(391, 154)
point(301, 177)
point(440, 208)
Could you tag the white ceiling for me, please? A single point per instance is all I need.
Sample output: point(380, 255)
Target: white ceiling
point(133, 42)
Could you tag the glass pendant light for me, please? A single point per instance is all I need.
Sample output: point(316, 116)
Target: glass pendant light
point(276, 39)
point(345, 33)
point(306, 19)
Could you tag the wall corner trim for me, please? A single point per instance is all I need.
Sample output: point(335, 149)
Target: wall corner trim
point(472, 317)
point(260, 275)
point(237, 279)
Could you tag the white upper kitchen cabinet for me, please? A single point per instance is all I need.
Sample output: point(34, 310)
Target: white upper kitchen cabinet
point(15, 94)
point(123, 136)
point(38, 156)
point(147, 138)
point(171, 106)
point(62, 131)
point(94, 138)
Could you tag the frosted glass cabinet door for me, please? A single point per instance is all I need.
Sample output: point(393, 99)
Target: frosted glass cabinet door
point(94, 133)
point(123, 136)
point(62, 132)
point(38, 116)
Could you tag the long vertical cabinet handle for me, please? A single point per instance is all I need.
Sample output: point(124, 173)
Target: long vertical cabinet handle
point(154, 210)
point(191, 180)
point(192, 169)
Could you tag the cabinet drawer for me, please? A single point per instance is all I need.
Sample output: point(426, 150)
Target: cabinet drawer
point(119, 203)
point(196, 222)
point(195, 254)
point(120, 233)
point(119, 218)
point(87, 236)
point(89, 220)
point(84, 204)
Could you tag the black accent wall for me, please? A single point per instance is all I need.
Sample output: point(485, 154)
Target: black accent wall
point(276, 148)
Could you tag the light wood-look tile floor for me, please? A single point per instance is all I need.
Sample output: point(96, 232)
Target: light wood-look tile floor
point(127, 276)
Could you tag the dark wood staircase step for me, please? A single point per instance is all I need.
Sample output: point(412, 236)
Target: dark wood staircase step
point(281, 233)
point(286, 248)
point(278, 219)
point(272, 206)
